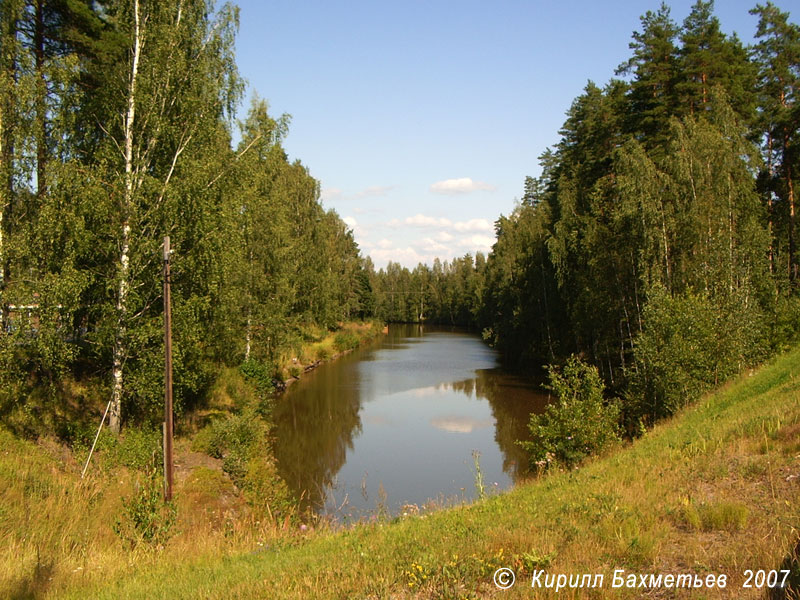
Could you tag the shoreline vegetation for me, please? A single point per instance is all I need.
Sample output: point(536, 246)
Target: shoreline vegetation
point(711, 490)
point(347, 338)
point(228, 493)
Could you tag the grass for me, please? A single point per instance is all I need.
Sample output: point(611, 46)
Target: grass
point(713, 490)
point(316, 344)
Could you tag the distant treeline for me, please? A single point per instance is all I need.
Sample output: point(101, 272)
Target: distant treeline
point(116, 129)
point(659, 243)
point(449, 293)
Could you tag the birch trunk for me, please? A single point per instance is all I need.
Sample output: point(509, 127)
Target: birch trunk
point(123, 283)
point(2, 210)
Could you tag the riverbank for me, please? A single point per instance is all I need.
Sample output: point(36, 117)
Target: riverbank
point(229, 498)
point(712, 491)
point(320, 346)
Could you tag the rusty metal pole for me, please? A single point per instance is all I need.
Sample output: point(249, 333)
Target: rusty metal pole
point(168, 431)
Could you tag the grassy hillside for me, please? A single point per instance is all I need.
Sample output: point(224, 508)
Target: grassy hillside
point(712, 491)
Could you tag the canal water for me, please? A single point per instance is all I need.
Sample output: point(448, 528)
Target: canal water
point(399, 423)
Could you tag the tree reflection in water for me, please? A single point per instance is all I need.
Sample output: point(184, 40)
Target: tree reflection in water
point(403, 415)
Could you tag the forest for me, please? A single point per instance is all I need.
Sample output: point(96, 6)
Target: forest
point(117, 128)
point(659, 242)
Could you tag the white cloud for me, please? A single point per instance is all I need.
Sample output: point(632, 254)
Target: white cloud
point(435, 247)
point(422, 238)
point(459, 424)
point(408, 256)
point(338, 194)
point(473, 225)
point(360, 232)
point(330, 194)
point(463, 185)
point(476, 242)
point(420, 220)
point(375, 190)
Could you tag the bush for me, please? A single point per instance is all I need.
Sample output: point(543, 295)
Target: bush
point(260, 375)
point(146, 518)
point(235, 433)
point(139, 449)
point(578, 424)
point(689, 345)
point(135, 448)
point(345, 340)
point(265, 490)
point(786, 323)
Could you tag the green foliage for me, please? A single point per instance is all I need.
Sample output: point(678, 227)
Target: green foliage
point(448, 293)
point(266, 491)
point(688, 346)
point(579, 423)
point(346, 340)
point(259, 374)
point(137, 448)
point(140, 449)
point(480, 488)
point(236, 439)
point(146, 518)
point(91, 183)
point(785, 328)
point(235, 433)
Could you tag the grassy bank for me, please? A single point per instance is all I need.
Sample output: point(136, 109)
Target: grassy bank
point(711, 491)
point(316, 345)
point(58, 528)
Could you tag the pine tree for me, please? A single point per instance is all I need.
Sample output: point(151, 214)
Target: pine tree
point(777, 55)
point(654, 66)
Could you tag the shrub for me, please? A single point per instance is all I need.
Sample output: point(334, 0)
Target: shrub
point(145, 517)
point(136, 448)
point(578, 424)
point(233, 435)
point(345, 340)
point(139, 448)
point(689, 345)
point(266, 490)
point(240, 441)
point(260, 375)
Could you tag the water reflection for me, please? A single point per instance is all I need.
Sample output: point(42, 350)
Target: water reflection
point(397, 423)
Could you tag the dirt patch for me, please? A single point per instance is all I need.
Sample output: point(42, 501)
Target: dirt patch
point(789, 433)
point(186, 460)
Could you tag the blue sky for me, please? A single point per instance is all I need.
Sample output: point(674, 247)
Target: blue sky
point(422, 119)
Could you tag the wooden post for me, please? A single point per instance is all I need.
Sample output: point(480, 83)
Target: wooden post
point(168, 431)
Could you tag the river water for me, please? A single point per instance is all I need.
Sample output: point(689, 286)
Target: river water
point(400, 421)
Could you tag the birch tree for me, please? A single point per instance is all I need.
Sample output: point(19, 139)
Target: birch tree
point(177, 81)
